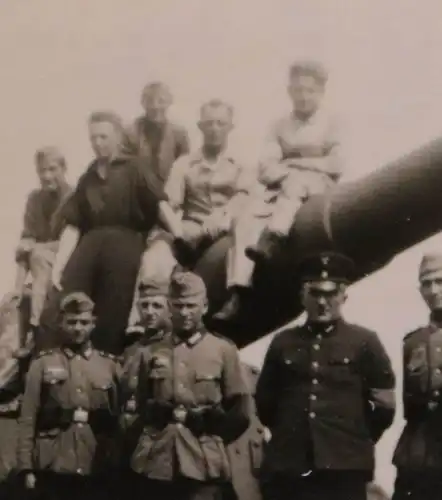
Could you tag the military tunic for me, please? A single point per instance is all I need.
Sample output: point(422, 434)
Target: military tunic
point(68, 419)
point(327, 397)
point(418, 455)
point(246, 453)
point(200, 377)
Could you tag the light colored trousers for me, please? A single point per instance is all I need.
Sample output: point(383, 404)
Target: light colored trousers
point(272, 209)
point(41, 260)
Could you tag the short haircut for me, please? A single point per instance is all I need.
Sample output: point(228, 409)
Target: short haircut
point(217, 103)
point(309, 68)
point(49, 152)
point(156, 87)
point(108, 117)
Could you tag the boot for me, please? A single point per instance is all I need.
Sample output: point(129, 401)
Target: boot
point(265, 249)
point(28, 348)
point(230, 310)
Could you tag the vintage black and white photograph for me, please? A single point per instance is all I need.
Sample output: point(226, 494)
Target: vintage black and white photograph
point(221, 251)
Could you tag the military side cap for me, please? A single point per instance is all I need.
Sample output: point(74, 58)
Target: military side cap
point(77, 303)
point(185, 284)
point(327, 269)
point(430, 263)
point(153, 287)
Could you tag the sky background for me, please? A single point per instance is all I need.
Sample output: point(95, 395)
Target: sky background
point(61, 60)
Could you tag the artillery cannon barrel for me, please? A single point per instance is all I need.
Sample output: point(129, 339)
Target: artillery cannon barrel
point(371, 220)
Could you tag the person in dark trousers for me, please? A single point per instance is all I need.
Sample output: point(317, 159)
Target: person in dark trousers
point(193, 398)
point(69, 414)
point(115, 205)
point(418, 455)
point(326, 393)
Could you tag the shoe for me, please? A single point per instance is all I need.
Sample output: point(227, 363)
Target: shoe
point(229, 312)
point(266, 248)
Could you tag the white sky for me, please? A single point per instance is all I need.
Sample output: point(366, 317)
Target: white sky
point(60, 60)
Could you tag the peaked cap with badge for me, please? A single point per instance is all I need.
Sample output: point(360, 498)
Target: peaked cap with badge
point(326, 270)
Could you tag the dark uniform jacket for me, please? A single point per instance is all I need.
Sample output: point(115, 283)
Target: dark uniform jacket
point(201, 380)
point(420, 445)
point(327, 397)
point(159, 145)
point(246, 453)
point(69, 412)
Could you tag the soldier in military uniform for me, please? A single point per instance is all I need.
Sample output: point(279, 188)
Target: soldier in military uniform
point(69, 412)
point(192, 396)
point(246, 453)
point(326, 393)
point(418, 455)
point(153, 325)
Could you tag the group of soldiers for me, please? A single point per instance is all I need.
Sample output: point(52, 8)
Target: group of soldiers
point(123, 389)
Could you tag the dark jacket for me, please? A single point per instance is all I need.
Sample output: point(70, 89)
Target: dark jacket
point(327, 397)
point(420, 445)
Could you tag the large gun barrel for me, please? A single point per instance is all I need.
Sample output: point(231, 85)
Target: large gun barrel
point(371, 220)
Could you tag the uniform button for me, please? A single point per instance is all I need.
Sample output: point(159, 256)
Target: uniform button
point(316, 347)
point(312, 414)
point(78, 389)
point(438, 349)
point(319, 336)
point(79, 471)
point(315, 381)
point(313, 397)
point(315, 365)
point(346, 361)
point(436, 393)
point(437, 371)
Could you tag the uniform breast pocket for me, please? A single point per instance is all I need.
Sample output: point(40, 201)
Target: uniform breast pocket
point(296, 363)
point(342, 366)
point(54, 383)
point(157, 378)
point(208, 386)
point(102, 394)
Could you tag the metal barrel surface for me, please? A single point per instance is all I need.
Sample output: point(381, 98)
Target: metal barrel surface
point(371, 220)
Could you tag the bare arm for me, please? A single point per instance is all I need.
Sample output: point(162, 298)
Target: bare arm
point(68, 241)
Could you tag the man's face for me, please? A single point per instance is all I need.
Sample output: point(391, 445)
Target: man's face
point(156, 104)
point(154, 311)
point(323, 304)
point(431, 290)
point(215, 125)
point(306, 93)
point(51, 173)
point(78, 327)
point(105, 139)
point(187, 314)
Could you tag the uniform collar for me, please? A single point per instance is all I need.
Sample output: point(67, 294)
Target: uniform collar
point(85, 351)
point(316, 328)
point(191, 341)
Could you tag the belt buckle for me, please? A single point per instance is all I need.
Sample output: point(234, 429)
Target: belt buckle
point(81, 416)
point(131, 405)
point(180, 414)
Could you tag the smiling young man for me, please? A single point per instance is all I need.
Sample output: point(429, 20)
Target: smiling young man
point(418, 455)
point(69, 411)
point(38, 245)
point(326, 393)
point(192, 396)
point(110, 214)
